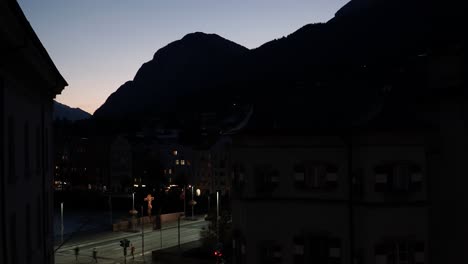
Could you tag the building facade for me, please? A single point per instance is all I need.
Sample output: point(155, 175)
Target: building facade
point(28, 83)
point(330, 199)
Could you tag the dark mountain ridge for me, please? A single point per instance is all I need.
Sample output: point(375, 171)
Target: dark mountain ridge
point(64, 112)
point(183, 69)
point(326, 72)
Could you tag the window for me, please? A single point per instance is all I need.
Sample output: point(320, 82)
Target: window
point(298, 250)
point(174, 152)
point(315, 175)
point(270, 253)
point(398, 177)
point(182, 162)
point(11, 151)
point(266, 178)
point(400, 252)
point(316, 248)
point(177, 162)
point(238, 177)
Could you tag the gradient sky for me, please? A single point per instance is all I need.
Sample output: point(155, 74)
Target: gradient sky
point(99, 44)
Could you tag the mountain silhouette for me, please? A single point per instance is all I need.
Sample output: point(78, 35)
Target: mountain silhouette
point(182, 76)
point(64, 112)
point(338, 71)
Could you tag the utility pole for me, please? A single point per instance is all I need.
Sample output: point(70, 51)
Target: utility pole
point(217, 214)
point(185, 202)
point(110, 209)
point(142, 234)
point(192, 204)
point(178, 232)
point(160, 233)
point(61, 221)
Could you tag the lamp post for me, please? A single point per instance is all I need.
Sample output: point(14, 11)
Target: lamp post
point(192, 204)
point(217, 213)
point(133, 212)
point(142, 235)
point(185, 202)
point(61, 221)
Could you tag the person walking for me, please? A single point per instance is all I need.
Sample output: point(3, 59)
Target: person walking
point(132, 251)
point(95, 255)
point(77, 252)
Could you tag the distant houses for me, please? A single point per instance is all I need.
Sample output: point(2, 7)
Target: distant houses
point(29, 81)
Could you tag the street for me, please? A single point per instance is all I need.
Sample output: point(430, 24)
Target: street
point(109, 249)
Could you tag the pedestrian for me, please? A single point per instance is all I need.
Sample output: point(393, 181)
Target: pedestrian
point(77, 252)
point(132, 251)
point(95, 254)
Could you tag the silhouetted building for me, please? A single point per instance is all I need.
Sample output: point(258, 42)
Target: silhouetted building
point(211, 166)
point(28, 83)
point(325, 197)
point(120, 164)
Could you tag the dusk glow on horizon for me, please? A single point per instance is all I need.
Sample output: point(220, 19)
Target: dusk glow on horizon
point(99, 45)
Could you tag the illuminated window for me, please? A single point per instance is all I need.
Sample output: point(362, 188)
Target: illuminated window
point(182, 162)
point(174, 152)
point(176, 162)
point(170, 171)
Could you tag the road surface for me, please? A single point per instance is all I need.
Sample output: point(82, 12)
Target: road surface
point(109, 250)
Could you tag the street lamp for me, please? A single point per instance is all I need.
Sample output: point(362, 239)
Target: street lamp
point(217, 213)
point(193, 203)
point(61, 220)
point(133, 212)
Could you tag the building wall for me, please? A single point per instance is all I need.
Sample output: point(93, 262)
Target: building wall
point(26, 173)
point(376, 217)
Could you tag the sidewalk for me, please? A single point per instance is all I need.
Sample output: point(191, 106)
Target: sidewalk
point(83, 241)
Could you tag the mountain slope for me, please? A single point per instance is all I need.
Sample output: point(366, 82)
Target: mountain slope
point(181, 76)
point(62, 111)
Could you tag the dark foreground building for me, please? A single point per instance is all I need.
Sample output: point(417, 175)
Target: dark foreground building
point(385, 187)
point(29, 81)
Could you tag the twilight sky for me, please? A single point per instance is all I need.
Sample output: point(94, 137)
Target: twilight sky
point(99, 44)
